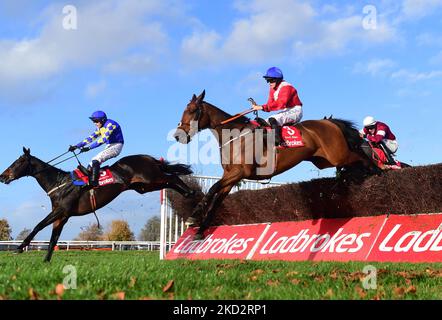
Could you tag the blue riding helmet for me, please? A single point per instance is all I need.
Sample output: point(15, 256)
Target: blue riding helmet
point(98, 115)
point(274, 73)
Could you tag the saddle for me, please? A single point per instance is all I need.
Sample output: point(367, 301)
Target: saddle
point(291, 136)
point(80, 176)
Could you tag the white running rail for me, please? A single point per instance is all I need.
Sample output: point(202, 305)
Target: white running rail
point(84, 245)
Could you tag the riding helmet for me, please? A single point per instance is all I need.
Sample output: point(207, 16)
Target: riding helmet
point(369, 121)
point(98, 115)
point(273, 73)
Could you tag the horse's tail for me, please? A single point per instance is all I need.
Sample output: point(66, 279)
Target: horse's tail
point(350, 132)
point(178, 169)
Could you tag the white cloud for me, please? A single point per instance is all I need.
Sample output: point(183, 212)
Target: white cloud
point(283, 29)
point(417, 9)
point(428, 39)
point(133, 64)
point(413, 76)
point(374, 67)
point(108, 33)
point(201, 47)
point(388, 68)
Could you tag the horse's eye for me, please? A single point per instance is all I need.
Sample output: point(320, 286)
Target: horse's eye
point(179, 124)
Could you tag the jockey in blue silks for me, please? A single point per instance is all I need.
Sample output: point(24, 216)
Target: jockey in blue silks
point(108, 132)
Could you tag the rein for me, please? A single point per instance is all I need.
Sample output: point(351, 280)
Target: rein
point(236, 116)
point(48, 163)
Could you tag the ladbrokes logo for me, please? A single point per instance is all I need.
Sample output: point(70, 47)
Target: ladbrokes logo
point(415, 241)
point(212, 245)
point(340, 242)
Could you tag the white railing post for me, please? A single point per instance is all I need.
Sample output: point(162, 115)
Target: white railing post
point(163, 224)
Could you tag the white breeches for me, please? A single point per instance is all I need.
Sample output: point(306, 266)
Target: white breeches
point(111, 151)
point(391, 144)
point(293, 115)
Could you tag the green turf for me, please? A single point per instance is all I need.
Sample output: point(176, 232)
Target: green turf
point(141, 275)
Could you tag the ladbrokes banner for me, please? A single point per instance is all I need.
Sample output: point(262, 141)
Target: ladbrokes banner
point(410, 239)
point(224, 242)
point(381, 238)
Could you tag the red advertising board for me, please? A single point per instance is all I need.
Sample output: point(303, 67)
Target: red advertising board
point(323, 239)
point(380, 238)
point(410, 239)
point(224, 242)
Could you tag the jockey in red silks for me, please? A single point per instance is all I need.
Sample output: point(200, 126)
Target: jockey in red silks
point(379, 133)
point(283, 97)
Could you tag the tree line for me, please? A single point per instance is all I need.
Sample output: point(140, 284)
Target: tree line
point(117, 230)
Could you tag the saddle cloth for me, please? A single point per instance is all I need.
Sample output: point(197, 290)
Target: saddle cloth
point(80, 179)
point(291, 136)
point(381, 160)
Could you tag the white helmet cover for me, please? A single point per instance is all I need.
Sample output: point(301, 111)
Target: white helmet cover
point(369, 121)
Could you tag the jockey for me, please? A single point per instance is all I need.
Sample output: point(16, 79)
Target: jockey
point(108, 132)
point(283, 97)
point(379, 133)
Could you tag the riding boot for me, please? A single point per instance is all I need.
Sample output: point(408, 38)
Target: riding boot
point(277, 129)
point(262, 123)
point(93, 180)
point(387, 153)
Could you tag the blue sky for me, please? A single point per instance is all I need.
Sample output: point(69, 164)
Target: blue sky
point(141, 61)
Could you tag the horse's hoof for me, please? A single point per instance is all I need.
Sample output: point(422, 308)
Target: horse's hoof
point(18, 250)
point(191, 222)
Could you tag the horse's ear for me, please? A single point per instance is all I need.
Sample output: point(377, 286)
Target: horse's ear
point(193, 97)
point(202, 95)
point(26, 151)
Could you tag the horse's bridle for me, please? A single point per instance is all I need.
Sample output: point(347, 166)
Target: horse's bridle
point(196, 119)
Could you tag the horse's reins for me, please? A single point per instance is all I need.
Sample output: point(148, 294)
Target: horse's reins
point(236, 116)
point(49, 162)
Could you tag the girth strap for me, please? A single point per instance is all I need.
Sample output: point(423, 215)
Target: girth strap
point(93, 202)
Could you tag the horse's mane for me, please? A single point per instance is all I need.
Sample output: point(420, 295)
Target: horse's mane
point(242, 119)
point(48, 165)
point(350, 132)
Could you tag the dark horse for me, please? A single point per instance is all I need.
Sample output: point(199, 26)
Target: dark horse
point(328, 143)
point(141, 173)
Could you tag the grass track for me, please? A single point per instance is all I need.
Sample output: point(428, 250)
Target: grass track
point(141, 275)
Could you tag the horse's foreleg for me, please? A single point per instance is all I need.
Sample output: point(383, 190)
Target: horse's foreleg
point(56, 231)
point(225, 185)
point(199, 210)
point(216, 201)
point(50, 218)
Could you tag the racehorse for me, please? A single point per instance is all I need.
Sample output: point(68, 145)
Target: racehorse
point(327, 143)
point(141, 173)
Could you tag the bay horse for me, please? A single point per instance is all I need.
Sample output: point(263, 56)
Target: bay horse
point(141, 173)
point(327, 143)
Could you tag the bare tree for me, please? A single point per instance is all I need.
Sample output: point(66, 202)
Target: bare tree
point(23, 234)
point(151, 230)
point(91, 233)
